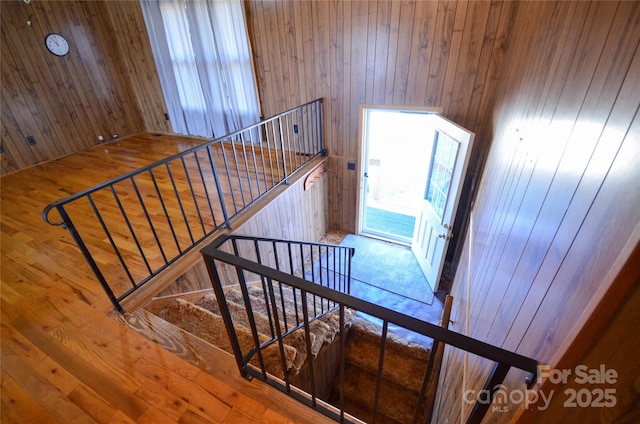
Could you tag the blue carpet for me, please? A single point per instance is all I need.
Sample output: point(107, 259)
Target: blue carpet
point(383, 221)
point(388, 266)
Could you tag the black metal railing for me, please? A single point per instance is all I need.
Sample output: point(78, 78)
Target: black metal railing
point(131, 228)
point(320, 264)
point(268, 264)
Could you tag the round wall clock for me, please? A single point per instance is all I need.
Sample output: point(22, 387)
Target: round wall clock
point(57, 44)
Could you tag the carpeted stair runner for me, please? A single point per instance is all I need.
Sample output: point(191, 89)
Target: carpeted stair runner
point(202, 318)
point(239, 314)
point(404, 362)
point(314, 306)
point(324, 328)
point(404, 368)
point(210, 328)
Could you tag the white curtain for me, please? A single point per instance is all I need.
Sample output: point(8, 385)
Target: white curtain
point(204, 61)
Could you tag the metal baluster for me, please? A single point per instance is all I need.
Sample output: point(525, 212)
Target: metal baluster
point(111, 241)
point(264, 289)
point(298, 136)
point(284, 158)
point(313, 279)
point(193, 194)
point(295, 298)
point(307, 336)
point(219, 188)
point(264, 166)
point(342, 365)
point(226, 168)
point(247, 305)
point(133, 234)
point(68, 224)
point(206, 190)
point(148, 218)
point(383, 345)
point(292, 157)
point(177, 193)
point(275, 146)
point(336, 274)
point(164, 209)
point(425, 383)
point(246, 166)
point(255, 165)
point(309, 130)
point(266, 132)
point(226, 316)
point(279, 333)
point(320, 129)
point(235, 160)
point(284, 315)
point(320, 276)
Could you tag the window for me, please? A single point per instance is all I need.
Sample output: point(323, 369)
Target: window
point(204, 61)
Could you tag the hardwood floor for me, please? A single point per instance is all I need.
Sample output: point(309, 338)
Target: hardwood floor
point(64, 356)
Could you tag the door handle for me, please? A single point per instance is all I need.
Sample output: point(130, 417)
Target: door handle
point(444, 236)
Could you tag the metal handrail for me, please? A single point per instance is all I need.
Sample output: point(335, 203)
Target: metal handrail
point(267, 153)
point(128, 175)
point(214, 254)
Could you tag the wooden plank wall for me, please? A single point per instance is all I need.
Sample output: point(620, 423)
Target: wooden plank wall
point(559, 201)
point(133, 44)
point(106, 85)
point(433, 53)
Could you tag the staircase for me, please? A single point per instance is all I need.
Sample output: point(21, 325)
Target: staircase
point(199, 314)
point(404, 367)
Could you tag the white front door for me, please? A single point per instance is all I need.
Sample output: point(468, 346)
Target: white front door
point(448, 164)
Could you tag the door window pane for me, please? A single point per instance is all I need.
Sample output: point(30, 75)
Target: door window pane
point(444, 158)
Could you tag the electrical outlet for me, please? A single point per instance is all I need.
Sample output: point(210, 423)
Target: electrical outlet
point(295, 128)
point(31, 140)
point(100, 138)
point(351, 166)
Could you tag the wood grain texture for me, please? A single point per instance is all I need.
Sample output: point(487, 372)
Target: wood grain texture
point(546, 236)
point(65, 103)
point(134, 50)
point(64, 358)
point(552, 212)
point(412, 53)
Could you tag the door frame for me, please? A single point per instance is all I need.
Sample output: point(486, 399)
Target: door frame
point(362, 148)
